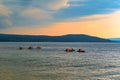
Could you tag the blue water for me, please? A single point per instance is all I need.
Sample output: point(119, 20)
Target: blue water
point(101, 61)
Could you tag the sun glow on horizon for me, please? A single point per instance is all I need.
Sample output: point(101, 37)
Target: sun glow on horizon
point(106, 28)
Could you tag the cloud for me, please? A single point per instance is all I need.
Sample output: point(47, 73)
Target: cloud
point(5, 13)
point(49, 4)
point(89, 18)
point(76, 3)
point(32, 12)
point(58, 4)
point(5, 22)
point(114, 17)
point(36, 13)
point(88, 7)
point(29, 13)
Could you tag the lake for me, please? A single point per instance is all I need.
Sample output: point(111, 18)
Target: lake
point(101, 61)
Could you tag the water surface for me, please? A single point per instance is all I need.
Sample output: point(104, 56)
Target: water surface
point(101, 61)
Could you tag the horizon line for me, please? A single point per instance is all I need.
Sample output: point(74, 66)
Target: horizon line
point(53, 35)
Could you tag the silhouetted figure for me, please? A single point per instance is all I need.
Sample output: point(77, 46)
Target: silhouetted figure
point(69, 50)
point(80, 50)
point(30, 47)
point(72, 49)
point(20, 48)
point(38, 47)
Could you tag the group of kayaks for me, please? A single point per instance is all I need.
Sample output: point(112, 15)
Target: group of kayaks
point(66, 50)
point(30, 48)
point(72, 50)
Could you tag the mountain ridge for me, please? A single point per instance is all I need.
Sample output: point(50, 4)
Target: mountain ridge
point(46, 38)
point(114, 39)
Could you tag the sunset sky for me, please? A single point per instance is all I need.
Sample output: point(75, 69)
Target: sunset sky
point(59, 17)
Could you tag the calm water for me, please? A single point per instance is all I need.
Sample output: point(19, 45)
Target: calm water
point(101, 61)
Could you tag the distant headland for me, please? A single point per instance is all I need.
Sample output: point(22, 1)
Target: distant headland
point(45, 38)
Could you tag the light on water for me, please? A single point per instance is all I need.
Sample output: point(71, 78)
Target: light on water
point(101, 61)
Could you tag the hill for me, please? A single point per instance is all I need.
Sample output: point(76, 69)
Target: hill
point(115, 39)
point(44, 38)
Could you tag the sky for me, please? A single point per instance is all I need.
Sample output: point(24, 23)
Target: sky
point(59, 17)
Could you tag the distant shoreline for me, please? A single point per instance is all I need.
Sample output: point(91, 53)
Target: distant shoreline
point(44, 38)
